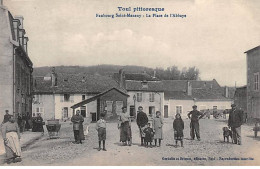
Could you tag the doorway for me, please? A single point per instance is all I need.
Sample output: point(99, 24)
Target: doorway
point(83, 111)
point(132, 111)
point(152, 110)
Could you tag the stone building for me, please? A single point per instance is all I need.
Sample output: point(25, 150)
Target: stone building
point(15, 65)
point(253, 87)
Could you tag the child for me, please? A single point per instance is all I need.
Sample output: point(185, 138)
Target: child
point(148, 135)
point(101, 128)
point(157, 125)
point(178, 126)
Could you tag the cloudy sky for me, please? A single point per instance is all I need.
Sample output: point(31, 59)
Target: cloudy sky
point(213, 37)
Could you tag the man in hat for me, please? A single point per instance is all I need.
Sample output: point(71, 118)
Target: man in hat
point(235, 121)
point(77, 121)
point(141, 121)
point(6, 116)
point(195, 116)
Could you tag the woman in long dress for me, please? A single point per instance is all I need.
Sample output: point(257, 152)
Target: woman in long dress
point(11, 136)
point(157, 126)
point(124, 124)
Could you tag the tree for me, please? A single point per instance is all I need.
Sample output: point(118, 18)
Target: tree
point(192, 73)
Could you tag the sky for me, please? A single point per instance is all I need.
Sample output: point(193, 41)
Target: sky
point(213, 37)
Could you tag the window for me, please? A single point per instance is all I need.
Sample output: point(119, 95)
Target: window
point(119, 105)
point(256, 81)
point(71, 98)
point(139, 97)
point(66, 97)
point(179, 109)
point(151, 97)
point(144, 85)
point(215, 109)
point(38, 110)
point(83, 97)
point(109, 107)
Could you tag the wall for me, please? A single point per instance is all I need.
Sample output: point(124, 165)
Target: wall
point(158, 101)
point(60, 104)
point(221, 105)
point(6, 65)
point(47, 103)
point(186, 107)
point(253, 102)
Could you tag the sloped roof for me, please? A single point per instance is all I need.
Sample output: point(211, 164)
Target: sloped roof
point(181, 85)
point(96, 97)
point(177, 95)
point(132, 85)
point(207, 94)
point(201, 90)
point(250, 50)
point(76, 83)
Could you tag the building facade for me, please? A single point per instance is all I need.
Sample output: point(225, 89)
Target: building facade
point(15, 66)
point(148, 94)
point(240, 98)
point(253, 90)
point(55, 94)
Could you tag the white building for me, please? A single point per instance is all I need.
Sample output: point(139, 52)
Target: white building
point(54, 94)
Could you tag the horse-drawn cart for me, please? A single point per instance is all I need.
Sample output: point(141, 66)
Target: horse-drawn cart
point(53, 127)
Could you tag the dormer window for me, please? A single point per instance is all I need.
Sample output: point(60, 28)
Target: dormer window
point(145, 85)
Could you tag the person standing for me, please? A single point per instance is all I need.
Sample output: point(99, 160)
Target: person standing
point(141, 121)
point(195, 116)
point(39, 124)
point(178, 127)
point(148, 135)
point(101, 128)
point(27, 121)
point(77, 121)
point(11, 136)
point(124, 124)
point(157, 126)
point(235, 121)
point(6, 116)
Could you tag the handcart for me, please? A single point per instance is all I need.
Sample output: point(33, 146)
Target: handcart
point(53, 127)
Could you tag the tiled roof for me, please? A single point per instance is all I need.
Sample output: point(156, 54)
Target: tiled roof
point(258, 47)
point(181, 85)
point(207, 94)
point(96, 97)
point(177, 95)
point(132, 85)
point(201, 90)
point(76, 83)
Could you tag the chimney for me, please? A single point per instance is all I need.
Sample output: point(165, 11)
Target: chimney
point(21, 36)
point(16, 23)
point(154, 74)
point(53, 77)
point(226, 92)
point(25, 40)
point(189, 88)
point(122, 78)
point(20, 18)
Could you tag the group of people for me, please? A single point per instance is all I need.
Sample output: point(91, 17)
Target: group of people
point(151, 128)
